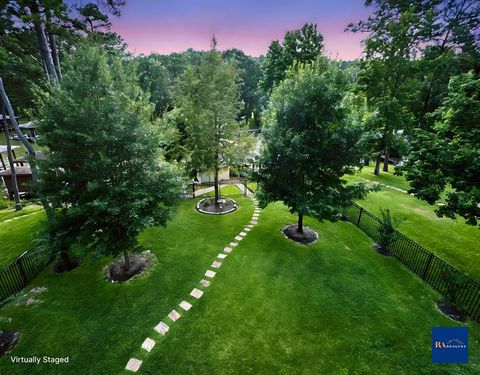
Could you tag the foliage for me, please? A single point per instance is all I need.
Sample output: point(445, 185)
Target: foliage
point(454, 281)
point(250, 74)
point(115, 185)
point(309, 144)
point(448, 153)
point(301, 46)
point(208, 98)
point(387, 229)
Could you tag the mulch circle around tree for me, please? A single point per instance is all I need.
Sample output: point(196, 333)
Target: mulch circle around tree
point(8, 339)
point(224, 206)
point(452, 311)
point(62, 266)
point(307, 237)
point(139, 262)
point(381, 250)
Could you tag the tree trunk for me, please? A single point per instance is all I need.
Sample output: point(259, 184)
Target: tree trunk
point(42, 42)
point(26, 144)
point(377, 164)
point(385, 161)
point(126, 257)
point(217, 189)
point(300, 223)
point(66, 260)
point(56, 59)
point(18, 205)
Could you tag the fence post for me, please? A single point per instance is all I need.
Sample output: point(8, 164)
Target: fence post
point(193, 189)
point(359, 216)
point(245, 191)
point(424, 273)
point(22, 270)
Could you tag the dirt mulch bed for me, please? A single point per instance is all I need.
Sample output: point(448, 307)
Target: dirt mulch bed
point(116, 272)
point(381, 250)
point(307, 237)
point(8, 339)
point(62, 266)
point(224, 206)
point(452, 311)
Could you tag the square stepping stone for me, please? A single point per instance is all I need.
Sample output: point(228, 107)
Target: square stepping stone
point(254, 222)
point(222, 256)
point(243, 234)
point(205, 283)
point(228, 249)
point(247, 229)
point(148, 344)
point(255, 215)
point(210, 274)
point(249, 226)
point(185, 305)
point(216, 265)
point(197, 293)
point(233, 244)
point(133, 365)
point(238, 238)
point(162, 328)
point(257, 210)
point(174, 315)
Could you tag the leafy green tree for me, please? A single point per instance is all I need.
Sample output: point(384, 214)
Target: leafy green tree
point(208, 96)
point(301, 46)
point(448, 154)
point(250, 74)
point(309, 144)
point(104, 175)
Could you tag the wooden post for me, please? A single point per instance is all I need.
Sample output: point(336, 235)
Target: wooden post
point(18, 205)
point(359, 216)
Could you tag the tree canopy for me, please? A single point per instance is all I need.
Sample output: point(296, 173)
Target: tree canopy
point(309, 143)
point(115, 184)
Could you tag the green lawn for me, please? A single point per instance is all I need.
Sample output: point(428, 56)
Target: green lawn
point(452, 240)
point(335, 307)
point(18, 233)
point(386, 178)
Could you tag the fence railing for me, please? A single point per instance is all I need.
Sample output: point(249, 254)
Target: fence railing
point(22, 270)
point(424, 263)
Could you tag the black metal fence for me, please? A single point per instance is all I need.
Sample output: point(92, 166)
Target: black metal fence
point(22, 270)
point(192, 190)
point(424, 263)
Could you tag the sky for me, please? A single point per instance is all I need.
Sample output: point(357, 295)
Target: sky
point(166, 26)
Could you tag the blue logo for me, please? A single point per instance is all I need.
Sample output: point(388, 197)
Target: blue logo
point(449, 345)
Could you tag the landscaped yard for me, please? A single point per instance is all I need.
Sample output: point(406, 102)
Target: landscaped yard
point(334, 307)
point(452, 240)
point(18, 231)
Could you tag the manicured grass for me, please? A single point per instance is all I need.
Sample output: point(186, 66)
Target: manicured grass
point(452, 240)
point(19, 233)
point(386, 178)
point(335, 307)
point(252, 186)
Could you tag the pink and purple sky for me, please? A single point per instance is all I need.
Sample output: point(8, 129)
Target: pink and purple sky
point(174, 25)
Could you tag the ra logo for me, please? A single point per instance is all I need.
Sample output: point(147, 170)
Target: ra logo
point(449, 345)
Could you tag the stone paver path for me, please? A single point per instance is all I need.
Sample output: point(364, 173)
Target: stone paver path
point(197, 293)
point(210, 274)
point(148, 344)
point(133, 365)
point(162, 328)
point(174, 315)
point(185, 305)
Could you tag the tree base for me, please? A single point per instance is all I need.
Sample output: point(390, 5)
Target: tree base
point(224, 206)
point(116, 272)
point(452, 311)
point(379, 249)
point(307, 237)
point(8, 340)
point(62, 266)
